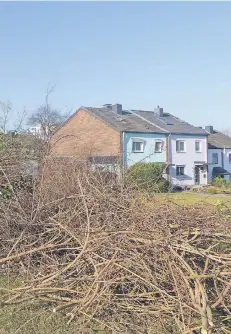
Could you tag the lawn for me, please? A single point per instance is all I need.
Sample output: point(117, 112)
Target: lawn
point(36, 318)
point(186, 198)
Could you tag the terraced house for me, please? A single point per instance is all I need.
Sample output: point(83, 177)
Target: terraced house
point(111, 135)
point(219, 154)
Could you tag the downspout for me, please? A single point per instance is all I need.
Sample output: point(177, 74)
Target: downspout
point(122, 163)
point(207, 158)
point(222, 157)
point(122, 149)
point(168, 155)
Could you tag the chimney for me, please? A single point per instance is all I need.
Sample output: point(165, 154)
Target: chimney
point(159, 111)
point(117, 108)
point(209, 128)
point(107, 106)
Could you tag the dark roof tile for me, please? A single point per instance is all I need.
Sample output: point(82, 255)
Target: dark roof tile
point(145, 121)
point(125, 122)
point(219, 140)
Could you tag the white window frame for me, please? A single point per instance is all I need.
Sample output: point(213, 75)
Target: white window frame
point(161, 148)
point(137, 140)
point(180, 151)
point(198, 141)
point(215, 163)
point(180, 166)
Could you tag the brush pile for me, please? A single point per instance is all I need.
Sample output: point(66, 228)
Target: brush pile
point(112, 258)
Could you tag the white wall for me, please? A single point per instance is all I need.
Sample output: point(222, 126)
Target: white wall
point(210, 166)
point(187, 159)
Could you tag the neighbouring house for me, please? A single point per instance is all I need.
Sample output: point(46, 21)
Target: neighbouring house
point(35, 130)
point(219, 154)
point(110, 134)
point(41, 132)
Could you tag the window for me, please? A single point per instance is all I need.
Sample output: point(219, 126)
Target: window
point(180, 170)
point(137, 146)
point(198, 146)
point(229, 158)
point(215, 158)
point(158, 146)
point(180, 146)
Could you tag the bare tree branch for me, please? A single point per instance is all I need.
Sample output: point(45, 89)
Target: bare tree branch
point(47, 117)
point(5, 110)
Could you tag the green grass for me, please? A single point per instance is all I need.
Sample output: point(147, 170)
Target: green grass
point(186, 198)
point(34, 318)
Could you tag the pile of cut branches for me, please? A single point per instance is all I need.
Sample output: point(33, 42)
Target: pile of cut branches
point(102, 256)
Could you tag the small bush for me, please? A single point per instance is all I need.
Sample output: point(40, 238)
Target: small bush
point(212, 191)
point(147, 176)
point(220, 182)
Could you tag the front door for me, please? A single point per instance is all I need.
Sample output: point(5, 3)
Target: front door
point(197, 175)
point(200, 174)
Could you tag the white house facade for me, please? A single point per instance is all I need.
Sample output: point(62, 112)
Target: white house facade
point(35, 130)
point(188, 159)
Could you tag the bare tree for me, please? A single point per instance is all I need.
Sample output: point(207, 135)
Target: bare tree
point(20, 121)
point(5, 110)
point(47, 117)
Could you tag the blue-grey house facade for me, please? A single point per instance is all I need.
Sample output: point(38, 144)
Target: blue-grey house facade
point(219, 154)
point(144, 147)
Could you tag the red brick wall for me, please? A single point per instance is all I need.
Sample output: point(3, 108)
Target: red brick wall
point(86, 135)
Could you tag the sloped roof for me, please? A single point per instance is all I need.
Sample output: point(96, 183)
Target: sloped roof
point(219, 140)
point(171, 124)
point(144, 121)
point(126, 122)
